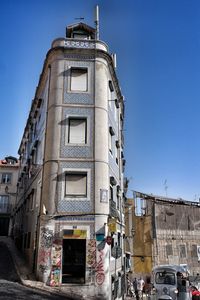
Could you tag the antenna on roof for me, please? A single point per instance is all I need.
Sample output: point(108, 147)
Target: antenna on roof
point(165, 186)
point(97, 21)
point(80, 18)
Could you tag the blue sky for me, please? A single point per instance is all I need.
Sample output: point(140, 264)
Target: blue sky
point(158, 65)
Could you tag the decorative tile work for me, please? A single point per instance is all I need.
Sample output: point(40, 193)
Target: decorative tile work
point(79, 44)
point(82, 97)
point(73, 205)
point(68, 150)
point(75, 218)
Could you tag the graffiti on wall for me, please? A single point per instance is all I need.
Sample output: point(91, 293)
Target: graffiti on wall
point(100, 274)
point(91, 253)
point(95, 261)
point(91, 259)
point(46, 237)
point(44, 254)
point(44, 257)
point(55, 276)
point(56, 259)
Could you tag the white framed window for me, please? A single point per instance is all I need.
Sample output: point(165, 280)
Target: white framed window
point(77, 130)
point(6, 178)
point(79, 79)
point(76, 184)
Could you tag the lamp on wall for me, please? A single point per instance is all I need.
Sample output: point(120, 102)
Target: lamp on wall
point(133, 232)
point(9, 193)
point(142, 258)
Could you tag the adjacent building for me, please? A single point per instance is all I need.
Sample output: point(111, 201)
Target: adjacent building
point(166, 231)
point(8, 187)
point(69, 218)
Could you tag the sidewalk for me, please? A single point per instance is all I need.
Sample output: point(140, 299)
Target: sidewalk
point(28, 279)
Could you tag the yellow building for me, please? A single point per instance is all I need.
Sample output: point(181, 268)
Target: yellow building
point(138, 245)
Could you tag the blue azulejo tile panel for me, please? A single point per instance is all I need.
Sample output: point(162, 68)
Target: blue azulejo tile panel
point(74, 206)
point(77, 151)
point(79, 97)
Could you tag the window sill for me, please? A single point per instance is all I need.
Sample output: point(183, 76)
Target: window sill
point(78, 92)
point(77, 145)
point(76, 198)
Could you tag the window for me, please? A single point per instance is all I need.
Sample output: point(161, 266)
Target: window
point(117, 152)
point(4, 204)
point(194, 251)
point(128, 261)
point(6, 178)
point(76, 184)
point(77, 131)
point(165, 277)
point(110, 142)
point(111, 133)
point(29, 202)
point(169, 250)
point(118, 197)
point(28, 240)
point(79, 79)
point(111, 193)
point(111, 86)
point(182, 251)
point(80, 36)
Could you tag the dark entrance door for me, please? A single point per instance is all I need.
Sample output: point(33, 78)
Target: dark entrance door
point(4, 224)
point(74, 257)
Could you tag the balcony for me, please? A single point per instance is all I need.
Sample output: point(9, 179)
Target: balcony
point(113, 211)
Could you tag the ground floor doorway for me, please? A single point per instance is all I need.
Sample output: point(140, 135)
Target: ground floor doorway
point(74, 261)
point(4, 225)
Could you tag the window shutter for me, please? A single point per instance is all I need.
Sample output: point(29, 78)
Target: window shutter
point(77, 131)
point(79, 79)
point(76, 184)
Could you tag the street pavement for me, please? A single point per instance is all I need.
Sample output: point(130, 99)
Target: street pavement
point(17, 281)
point(11, 286)
point(14, 290)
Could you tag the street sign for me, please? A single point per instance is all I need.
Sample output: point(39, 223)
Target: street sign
point(116, 252)
point(112, 225)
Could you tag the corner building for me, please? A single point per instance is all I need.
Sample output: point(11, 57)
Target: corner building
point(72, 168)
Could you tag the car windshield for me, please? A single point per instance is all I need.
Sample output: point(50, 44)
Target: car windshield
point(165, 278)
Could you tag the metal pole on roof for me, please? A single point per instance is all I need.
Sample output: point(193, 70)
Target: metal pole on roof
point(97, 21)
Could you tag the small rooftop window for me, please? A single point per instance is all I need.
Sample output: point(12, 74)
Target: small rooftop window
point(80, 31)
